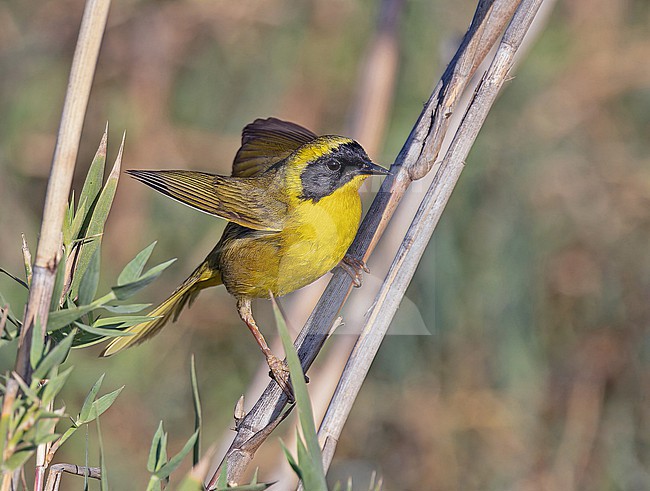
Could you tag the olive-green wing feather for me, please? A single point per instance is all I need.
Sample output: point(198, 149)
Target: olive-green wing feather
point(266, 142)
point(245, 201)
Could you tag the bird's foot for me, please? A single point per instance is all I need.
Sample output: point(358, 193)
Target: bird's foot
point(279, 371)
point(354, 268)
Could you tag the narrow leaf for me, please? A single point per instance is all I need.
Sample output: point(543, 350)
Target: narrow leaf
point(222, 481)
point(17, 459)
point(190, 483)
point(15, 278)
point(196, 456)
point(101, 332)
point(311, 467)
point(309, 453)
point(92, 185)
point(43, 438)
point(292, 462)
point(103, 483)
point(298, 381)
point(65, 317)
point(165, 471)
point(122, 321)
point(27, 390)
point(87, 407)
point(59, 282)
point(71, 232)
point(54, 386)
point(248, 487)
point(38, 344)
point(90, 280)
point(68, 219)
point(55, 357)
point(104, 402)
point(154, 451)
point(154, 483)
point(133, 269)
point(122, 292)
point(97, 221)
point(126, 309)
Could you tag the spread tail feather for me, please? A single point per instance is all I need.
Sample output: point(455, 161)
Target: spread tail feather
point(202, 277)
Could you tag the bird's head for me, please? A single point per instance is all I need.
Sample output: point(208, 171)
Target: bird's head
point(327, 163)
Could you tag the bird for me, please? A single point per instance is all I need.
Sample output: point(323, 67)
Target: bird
point(293, 208)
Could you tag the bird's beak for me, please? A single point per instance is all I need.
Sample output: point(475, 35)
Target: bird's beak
point(373, 169)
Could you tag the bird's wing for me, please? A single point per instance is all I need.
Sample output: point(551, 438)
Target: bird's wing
point(265, 142)
point(245, 201)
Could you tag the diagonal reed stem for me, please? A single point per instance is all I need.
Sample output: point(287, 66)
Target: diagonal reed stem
point(416, 158)
point(419, 233)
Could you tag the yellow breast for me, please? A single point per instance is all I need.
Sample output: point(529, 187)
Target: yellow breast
point(314, 240)
point(317, 237)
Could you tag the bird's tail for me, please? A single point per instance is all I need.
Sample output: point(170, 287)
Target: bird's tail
point(202, 277)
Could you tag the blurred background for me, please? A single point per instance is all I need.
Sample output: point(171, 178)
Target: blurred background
point(524, 359)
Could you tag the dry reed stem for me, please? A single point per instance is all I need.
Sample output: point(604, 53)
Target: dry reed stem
point(57, 470)
point(419, 233)
point(48, 251)
point(414, 161)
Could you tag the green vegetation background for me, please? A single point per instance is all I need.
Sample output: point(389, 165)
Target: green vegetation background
point(535, 288)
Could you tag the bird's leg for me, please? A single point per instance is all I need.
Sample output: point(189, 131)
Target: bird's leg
point(353, 267)
point(279, 370)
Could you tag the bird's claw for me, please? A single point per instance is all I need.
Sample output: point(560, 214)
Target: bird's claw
point(353, 267)
point(279, 371)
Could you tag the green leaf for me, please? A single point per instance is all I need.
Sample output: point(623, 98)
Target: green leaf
point(90, 280)
point(156, 451)
point(68, 219)
point(71, 229)
point(292, 462)
point(11, 317)
point(87, 407)
point(97, 221)
point(133, 270)
point(190, 483)
point(27, 390)
point(196, 456)
point(126, 309)
point(59, 281)
point(44, 431)
point(55, 357)
point(103, 484)
point(65, 317)
point(165, 471)
point(247, 487)
point(91, 187)
point(222, 480)
point(313, 476)
point(103, 403)
point(67, 434)
point(122, 321)
point(309, 453)
point(100, 332)
point(45, 438)
point(54, 386)
point(122, 292)
point(17, 459)
point(58, 414)
point(38, 343)
point(154, 483)
point(15, 278)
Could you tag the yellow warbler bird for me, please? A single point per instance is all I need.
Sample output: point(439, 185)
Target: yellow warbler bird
point(294, 208)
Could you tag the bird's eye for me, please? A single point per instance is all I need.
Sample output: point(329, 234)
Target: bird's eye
point(333, 165)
